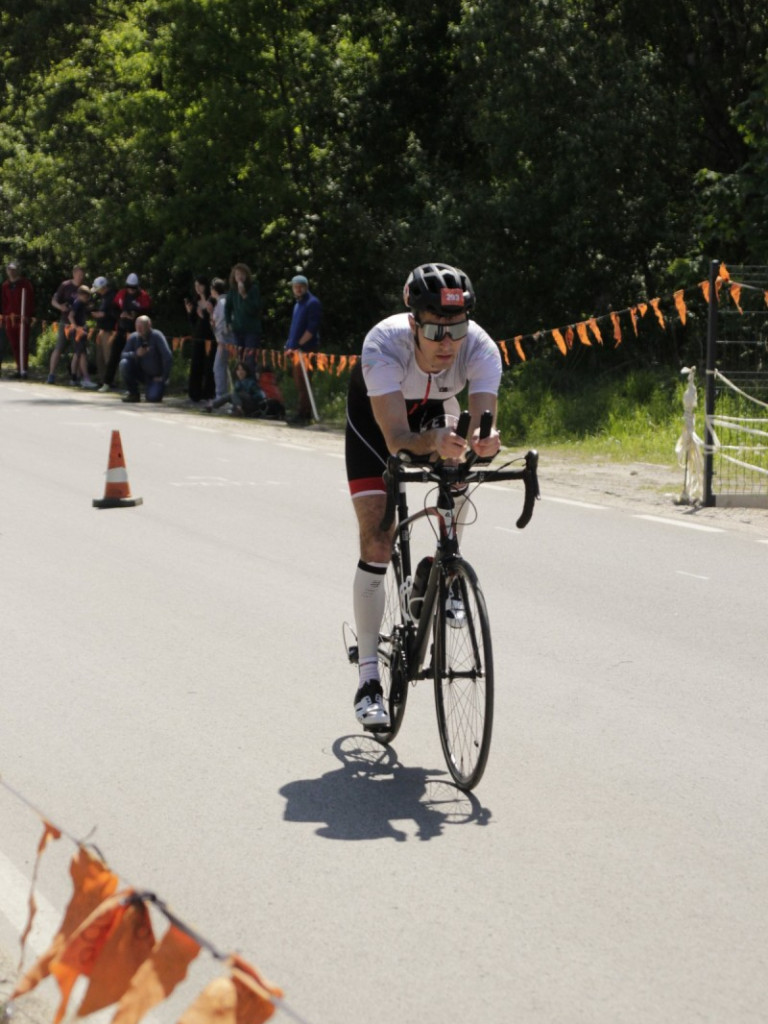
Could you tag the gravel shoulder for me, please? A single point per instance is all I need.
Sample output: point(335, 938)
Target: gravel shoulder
point(642, 487)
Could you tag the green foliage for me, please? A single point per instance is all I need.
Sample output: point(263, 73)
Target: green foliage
point(575, 156)
point(628, 414)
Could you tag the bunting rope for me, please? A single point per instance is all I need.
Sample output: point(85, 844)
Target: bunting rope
point(106, 936)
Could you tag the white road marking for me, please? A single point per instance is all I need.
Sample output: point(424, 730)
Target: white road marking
point(571, 501)
point(693, 575)
point(294, 447)
point(677, 522)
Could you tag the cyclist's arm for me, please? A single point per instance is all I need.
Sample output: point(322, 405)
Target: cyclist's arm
point(478, 403)
point(389, 411)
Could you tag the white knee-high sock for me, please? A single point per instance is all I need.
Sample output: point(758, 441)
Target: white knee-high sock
point(368, 598)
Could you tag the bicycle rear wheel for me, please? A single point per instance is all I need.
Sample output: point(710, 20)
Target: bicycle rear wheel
point(463, 672)
point(392, 668)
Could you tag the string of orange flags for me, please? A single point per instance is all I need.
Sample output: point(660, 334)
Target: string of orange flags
point(587, 332)
point(107, 937)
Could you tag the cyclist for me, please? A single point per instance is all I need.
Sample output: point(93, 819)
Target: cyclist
point(400, 392)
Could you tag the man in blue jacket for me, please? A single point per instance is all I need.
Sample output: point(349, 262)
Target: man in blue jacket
point(304, 336)
point(146, 359)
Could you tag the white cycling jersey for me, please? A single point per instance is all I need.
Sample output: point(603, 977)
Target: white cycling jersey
point(388, 362)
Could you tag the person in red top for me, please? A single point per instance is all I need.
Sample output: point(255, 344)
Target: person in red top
point(18, 299)
point(131, 302)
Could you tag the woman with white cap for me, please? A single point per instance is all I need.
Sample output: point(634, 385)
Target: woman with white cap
point(104, 313)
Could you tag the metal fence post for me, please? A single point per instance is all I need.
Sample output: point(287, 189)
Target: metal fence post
point(709, 405)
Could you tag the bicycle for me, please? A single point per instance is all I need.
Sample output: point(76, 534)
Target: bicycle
point(442, 602)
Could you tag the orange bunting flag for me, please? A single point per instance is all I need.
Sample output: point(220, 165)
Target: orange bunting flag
point(723, 273)
point(736, 295)
point(216, 1004)
point(503, 348)
point(682, 312)
point(704, 285)
point(595, 329)
point(569, 337)
point(84, 947)
point(255, 995)
point(49, 832)
point(127, 946)
point(616, 329)
point(342, 365)
point(581, 330)
point(659, 314)
point(158, 976)
point(93, 883)
point(633, 318)
point(559, 341)
point(519, 347)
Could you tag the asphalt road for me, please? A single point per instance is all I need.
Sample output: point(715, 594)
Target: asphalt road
point(175, 688)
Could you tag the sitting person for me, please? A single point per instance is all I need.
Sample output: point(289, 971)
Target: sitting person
point(147, 359)
point(275, 406)
point(247, 399)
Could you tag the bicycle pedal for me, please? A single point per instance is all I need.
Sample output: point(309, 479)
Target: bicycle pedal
point(376, 728)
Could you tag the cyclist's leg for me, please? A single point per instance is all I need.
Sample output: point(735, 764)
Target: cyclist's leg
point(366, 455)
point(369, 602)
point(463, 666)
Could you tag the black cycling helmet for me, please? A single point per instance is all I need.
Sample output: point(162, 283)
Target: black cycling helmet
point(439, 288)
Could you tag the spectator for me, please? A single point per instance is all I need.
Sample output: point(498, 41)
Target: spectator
point(200, 384)
point(243, 312)
point(275, 406)
point(62, 301)
point(105, 315)
point(131, 301)
point(224, 338)
point(16, 305)
point(78, 316)
point(146, 359)
point(247, 398)
point(304, 336)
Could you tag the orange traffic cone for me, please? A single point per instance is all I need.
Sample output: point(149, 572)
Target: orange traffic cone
point(117, 493)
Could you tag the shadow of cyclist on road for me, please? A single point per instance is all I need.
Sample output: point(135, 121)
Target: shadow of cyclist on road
point(372, 791)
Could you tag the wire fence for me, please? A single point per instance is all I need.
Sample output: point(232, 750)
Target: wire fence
point(736, 443)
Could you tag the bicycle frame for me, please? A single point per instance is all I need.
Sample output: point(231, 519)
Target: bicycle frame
point(418, 631)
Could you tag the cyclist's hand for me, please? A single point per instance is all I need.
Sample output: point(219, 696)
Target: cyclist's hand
point(486, 447)
point(448, 444)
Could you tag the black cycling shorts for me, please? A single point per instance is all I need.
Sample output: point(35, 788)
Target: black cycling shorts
point(364, 446)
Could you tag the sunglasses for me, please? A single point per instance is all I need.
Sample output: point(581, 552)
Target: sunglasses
point(436, 332)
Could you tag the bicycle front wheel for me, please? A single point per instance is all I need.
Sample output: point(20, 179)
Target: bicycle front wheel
point(463, 668)
point(392, 669)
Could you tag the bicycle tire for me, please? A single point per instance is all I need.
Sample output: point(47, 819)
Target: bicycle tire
point(463, 675)
point(392, 669)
